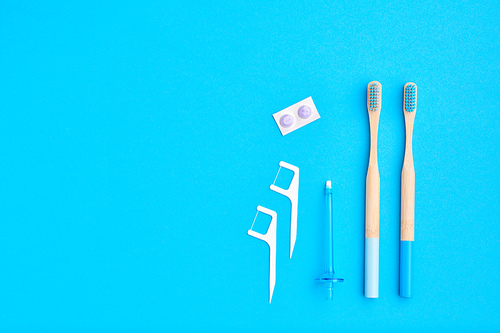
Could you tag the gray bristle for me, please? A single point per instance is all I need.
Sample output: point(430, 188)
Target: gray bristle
point(373, 96)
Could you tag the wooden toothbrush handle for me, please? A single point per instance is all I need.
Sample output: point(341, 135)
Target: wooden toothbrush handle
point(408, 202)
point(408, 183)
point(372, 202)
point(373, 181)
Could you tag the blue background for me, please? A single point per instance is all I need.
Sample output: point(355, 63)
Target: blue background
point(137, 141)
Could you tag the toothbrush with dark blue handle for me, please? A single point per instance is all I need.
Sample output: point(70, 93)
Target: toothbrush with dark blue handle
point(407, 195)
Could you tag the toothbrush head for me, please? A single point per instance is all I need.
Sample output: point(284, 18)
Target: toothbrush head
point(410, 97)
point(374, 97)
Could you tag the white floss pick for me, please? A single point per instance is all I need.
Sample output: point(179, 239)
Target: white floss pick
point(296, 116)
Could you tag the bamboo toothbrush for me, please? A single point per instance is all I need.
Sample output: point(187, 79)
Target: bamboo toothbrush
point(374, 104)
point(407, 194)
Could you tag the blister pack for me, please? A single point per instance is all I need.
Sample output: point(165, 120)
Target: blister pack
point(296, 116)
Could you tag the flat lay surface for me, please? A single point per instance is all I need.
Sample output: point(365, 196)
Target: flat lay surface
point(138, 140)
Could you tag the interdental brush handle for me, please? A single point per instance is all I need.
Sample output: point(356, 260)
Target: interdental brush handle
point(329, 241)
point(329, 276)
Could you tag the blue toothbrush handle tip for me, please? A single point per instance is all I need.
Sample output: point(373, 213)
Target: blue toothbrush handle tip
point(405, 269)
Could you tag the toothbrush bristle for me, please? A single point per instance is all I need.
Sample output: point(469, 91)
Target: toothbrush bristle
point(410, 97)
point(374, 96)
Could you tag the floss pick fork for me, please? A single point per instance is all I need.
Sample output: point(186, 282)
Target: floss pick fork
point(293, 194)
point(270, 238)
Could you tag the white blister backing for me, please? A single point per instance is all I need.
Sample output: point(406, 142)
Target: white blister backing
point(296, 116)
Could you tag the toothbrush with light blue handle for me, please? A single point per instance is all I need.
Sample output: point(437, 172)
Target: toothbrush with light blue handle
point(407, 195)
point(372, 210)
